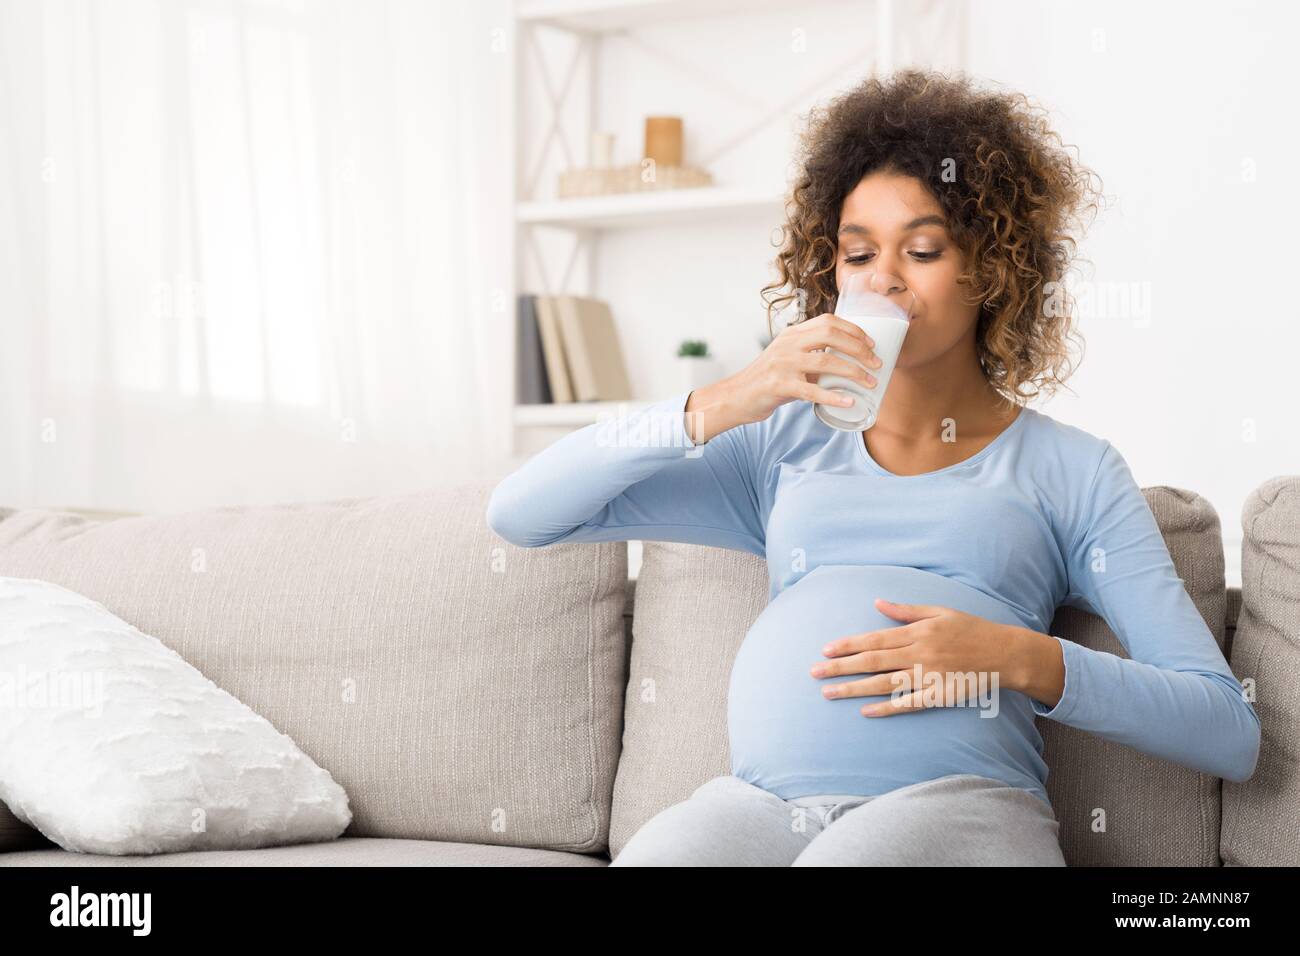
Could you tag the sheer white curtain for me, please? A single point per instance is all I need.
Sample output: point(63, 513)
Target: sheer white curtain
point(251, 250)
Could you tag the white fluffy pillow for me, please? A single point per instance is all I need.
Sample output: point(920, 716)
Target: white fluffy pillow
point(111, 743)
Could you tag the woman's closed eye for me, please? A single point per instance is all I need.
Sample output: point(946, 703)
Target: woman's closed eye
point(919, 256)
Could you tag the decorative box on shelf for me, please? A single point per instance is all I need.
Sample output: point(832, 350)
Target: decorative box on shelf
point(629, 179)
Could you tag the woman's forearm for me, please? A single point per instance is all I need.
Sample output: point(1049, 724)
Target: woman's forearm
point(1195, 717)
point(635, 476)
point(710, 410)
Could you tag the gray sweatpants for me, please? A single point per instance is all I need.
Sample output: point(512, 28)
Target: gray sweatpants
point(957, 820)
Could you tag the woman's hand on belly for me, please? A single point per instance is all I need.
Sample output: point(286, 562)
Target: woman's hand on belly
point(940, 657)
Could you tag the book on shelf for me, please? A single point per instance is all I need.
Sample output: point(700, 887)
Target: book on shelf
point(581, 359)
point(532, 387)
point(557, 372)
point(591, 350)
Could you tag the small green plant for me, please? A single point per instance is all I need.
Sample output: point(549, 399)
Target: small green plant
point(697, 348)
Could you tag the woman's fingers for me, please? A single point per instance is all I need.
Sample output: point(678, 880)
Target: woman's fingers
point(822, 363)
point(847, 327)
point(841, 338)
point(812, 392)
point(876, 685)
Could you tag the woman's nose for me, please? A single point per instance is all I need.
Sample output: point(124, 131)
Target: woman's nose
point(886, 283)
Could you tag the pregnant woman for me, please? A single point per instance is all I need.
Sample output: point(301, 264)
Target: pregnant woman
point(882, 708)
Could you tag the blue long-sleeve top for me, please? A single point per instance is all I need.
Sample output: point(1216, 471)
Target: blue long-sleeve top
point(1046, 515)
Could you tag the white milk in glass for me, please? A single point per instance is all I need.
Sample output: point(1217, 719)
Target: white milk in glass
point(887, 324)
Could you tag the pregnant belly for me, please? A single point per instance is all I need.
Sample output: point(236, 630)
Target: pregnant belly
point(790, 740)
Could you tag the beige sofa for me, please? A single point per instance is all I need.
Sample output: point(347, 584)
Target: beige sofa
point(485, 704)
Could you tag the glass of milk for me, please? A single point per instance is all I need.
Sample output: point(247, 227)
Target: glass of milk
point(882, 306)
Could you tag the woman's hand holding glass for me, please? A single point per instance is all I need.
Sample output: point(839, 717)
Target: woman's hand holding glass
point(785, 371)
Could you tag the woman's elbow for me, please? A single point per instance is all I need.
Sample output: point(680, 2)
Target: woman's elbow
point(505, 517)
point(1246, 753)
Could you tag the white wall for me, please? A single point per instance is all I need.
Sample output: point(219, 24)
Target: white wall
point(1186, 110)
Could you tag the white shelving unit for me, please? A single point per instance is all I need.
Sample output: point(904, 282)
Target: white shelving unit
point(604, 16)
point(589, 24)
point(634, 210)
point(569, 414)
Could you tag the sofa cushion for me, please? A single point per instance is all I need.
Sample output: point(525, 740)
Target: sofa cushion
point(1259, 815)
point(694, 605)
point(459, 688)
point(348, 851)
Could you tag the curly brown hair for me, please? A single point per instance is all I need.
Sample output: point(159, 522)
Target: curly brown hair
point(1010, 207)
